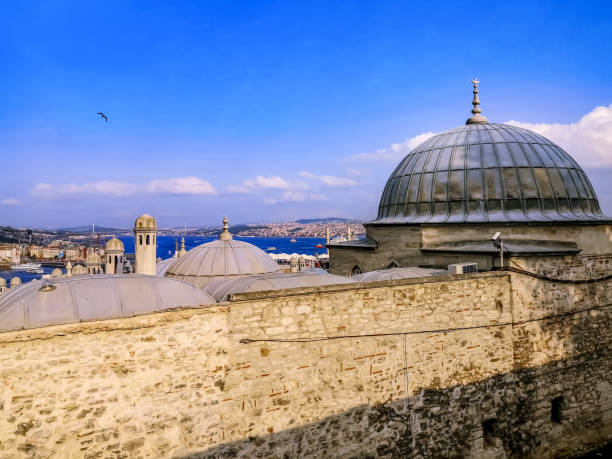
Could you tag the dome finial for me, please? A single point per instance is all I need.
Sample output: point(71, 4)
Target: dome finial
point(476, 111)
point(225, 234)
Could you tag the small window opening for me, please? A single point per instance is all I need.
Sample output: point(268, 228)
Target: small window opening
point(140, 239)
point(356, 270)
point(110, 258)
point(148, 240)
point(555, 410)
point(489, 431)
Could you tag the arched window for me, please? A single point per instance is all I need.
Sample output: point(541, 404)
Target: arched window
point(392, 265)
point(140, 239)
point(356, 270)
point(116, 259)
point(148, 240)
point(110, 258)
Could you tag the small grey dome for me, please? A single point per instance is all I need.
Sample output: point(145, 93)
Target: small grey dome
point(222, 289)
point(398, 273)
point(70, 300)
point(220, 259)
point(162, 266)
point(488, 172)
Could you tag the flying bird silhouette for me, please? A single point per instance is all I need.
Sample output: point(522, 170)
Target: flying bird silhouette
point(103, 116)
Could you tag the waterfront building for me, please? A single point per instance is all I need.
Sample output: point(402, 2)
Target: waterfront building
point(145, 243)
point(9, 253)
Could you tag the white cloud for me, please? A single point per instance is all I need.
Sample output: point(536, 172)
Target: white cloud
point(588, 141)
point(396, 151)
point(267, 182)
point(181, 185)
point(10, 202)
point(330, 180)
point(318, 197)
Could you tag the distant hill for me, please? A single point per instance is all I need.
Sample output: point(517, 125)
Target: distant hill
point(323, 220)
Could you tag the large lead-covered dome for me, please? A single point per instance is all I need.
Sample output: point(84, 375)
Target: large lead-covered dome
point(488, 172)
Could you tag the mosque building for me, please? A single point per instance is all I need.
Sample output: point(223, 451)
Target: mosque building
point(398, 355)
point(452, 193)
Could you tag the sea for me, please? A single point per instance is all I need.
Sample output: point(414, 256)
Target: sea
point(165, 249)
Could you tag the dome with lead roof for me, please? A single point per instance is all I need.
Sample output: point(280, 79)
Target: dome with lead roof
point(224, 258)
point(487, 172)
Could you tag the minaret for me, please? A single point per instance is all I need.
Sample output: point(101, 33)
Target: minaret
point(225, 234)
point(476, 111)
point(145, 229)
point(327, 234)
point(182, 251)
point(175, 249)
point(348, 232)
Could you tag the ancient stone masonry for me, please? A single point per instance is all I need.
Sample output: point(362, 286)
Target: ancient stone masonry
point(481, 365)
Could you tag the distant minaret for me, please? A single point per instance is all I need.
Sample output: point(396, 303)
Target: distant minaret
point(145, 229)
point(327, 234)
point(182, 251)
point(175, 248)
point(348, 232)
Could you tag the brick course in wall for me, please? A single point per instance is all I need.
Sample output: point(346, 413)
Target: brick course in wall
point(451, 366)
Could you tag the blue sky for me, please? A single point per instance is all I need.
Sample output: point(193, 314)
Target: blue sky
point(268, 111)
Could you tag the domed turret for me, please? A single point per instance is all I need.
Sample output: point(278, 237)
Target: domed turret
point(145, 221)
point(114, 256)
point(221, 259)
point(93, 262)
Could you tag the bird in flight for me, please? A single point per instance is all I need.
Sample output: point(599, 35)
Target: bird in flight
point(103, 116)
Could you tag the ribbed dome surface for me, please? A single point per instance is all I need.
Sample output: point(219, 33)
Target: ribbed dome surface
point(114, 244)
point(221, 259)
point(94, 298)
point(221, 290)
point(93, 259)
point(488, 173)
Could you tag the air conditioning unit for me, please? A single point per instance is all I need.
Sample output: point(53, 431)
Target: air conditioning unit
point(463, 268)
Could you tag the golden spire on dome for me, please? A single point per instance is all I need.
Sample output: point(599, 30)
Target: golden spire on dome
point(476, 111)
point(225, 234)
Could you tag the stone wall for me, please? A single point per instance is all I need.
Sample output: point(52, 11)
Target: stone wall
point(452, 366)
point(402, 243)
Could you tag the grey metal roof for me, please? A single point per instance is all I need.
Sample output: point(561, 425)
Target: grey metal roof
point(221, 259)
point(221, 290)
point(162, 266)
point(510, 247)
point(398, 273)
point(94, 298)
point(488, 173)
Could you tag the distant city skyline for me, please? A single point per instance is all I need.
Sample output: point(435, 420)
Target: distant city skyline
point(275, 111)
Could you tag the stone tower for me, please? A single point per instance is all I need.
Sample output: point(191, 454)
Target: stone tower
point(145, 229)
point(113, 257)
